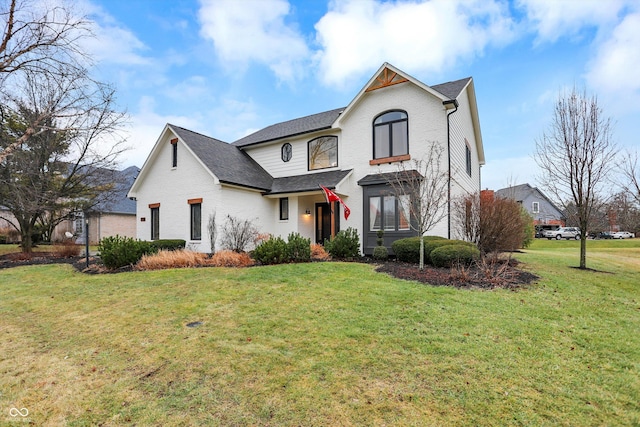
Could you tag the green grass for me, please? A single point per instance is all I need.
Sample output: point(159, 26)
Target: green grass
point(324, 344)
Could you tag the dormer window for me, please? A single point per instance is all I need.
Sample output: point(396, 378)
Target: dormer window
point(323, 152)
point(390, 135)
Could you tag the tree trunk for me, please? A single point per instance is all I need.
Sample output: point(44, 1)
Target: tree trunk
point(421, 252)
point(26, 233)
point(583, 250)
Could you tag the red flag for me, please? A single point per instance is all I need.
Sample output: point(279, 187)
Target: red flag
point(333, 197)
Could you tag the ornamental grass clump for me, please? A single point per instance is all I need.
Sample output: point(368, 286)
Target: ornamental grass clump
point(172, 259)
point(228, 258)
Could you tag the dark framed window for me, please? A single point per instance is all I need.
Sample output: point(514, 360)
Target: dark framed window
point(390, 134)
point(284, 208)
point(468, 156)
point(323, 152)
point(286, 152)
point(174, 152)
point(155, 223)
point(196, 221)
point(389, 213)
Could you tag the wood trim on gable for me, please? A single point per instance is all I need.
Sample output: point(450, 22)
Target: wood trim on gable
point(174, 141)
point(154, 205)
point(385, 79)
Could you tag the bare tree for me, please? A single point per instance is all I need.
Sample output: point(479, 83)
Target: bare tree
point(73, 144)
point(39, 41)
point(630, 170)
point(575, 155)
point(424, 182)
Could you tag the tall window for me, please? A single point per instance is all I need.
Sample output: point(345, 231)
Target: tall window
point(155, 223)
point(284, 208)
point(174, 152)
point(535, 207)
point(196, 221)
point(468, 156)
point(389, 213)
point(323, 152)
point(390, 135)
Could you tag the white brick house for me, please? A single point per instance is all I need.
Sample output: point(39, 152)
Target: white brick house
point(272, 176)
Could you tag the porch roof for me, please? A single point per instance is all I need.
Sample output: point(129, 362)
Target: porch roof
point(307, 182)
point(388, 177)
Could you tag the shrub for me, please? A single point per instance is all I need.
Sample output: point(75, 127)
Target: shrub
point(345, 244)
point(171, 259)
point(433, 244)
point(272, 251)
point(380, 253)
point(298, 248)
point(230, 259)
point(117, 251)
point(451, 255)
point(408, 250)
point(66, 249)
point(169, 244)
point(318, 252)
point(238, 234)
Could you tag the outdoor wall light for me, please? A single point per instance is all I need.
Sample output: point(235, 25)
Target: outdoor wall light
point(307, 212)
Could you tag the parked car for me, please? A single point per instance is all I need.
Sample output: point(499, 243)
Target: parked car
point(604, 235)
point(563, 233)
point(622, 235)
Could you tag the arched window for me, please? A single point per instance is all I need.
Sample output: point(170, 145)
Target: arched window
point(390, 134)
point(323, 152)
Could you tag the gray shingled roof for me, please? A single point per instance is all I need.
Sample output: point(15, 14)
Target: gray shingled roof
point(308, 182)
point(385, 178)
point(452, 89)
point(227, 162)
point(293, 127)
point(520, 192)
point(118, 202)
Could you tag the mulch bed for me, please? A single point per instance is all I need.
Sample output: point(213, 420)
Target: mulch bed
point(510, 276)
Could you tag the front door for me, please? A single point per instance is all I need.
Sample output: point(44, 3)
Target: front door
point(327, 225)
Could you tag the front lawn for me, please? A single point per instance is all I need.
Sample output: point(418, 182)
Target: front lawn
point(324, 344)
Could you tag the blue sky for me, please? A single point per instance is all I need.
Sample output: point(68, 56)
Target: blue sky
point(226, 68)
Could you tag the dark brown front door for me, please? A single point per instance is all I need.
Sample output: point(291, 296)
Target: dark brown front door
point(327, 224)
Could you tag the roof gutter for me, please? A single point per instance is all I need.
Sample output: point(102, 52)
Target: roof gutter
point(449, 104)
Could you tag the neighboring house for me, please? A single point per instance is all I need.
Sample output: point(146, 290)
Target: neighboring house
point(114, 215)
point(541, 209)
point(272, 176)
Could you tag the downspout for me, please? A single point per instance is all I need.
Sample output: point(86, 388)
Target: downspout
point(448, 105)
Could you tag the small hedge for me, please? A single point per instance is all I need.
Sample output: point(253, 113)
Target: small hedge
point(117, 251)
point(432, 245)
point(168, 244)
point(345, 244)
point(450, 255)
point(408, 250)
point(298, 248)
point(380, 253)
point(271, 251)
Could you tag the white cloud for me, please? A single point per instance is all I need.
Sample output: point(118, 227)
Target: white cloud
point(111, 43)
point(615, 66)
point(254, 31)
point(146, 127)
point(357, 36)
point(552, 19)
